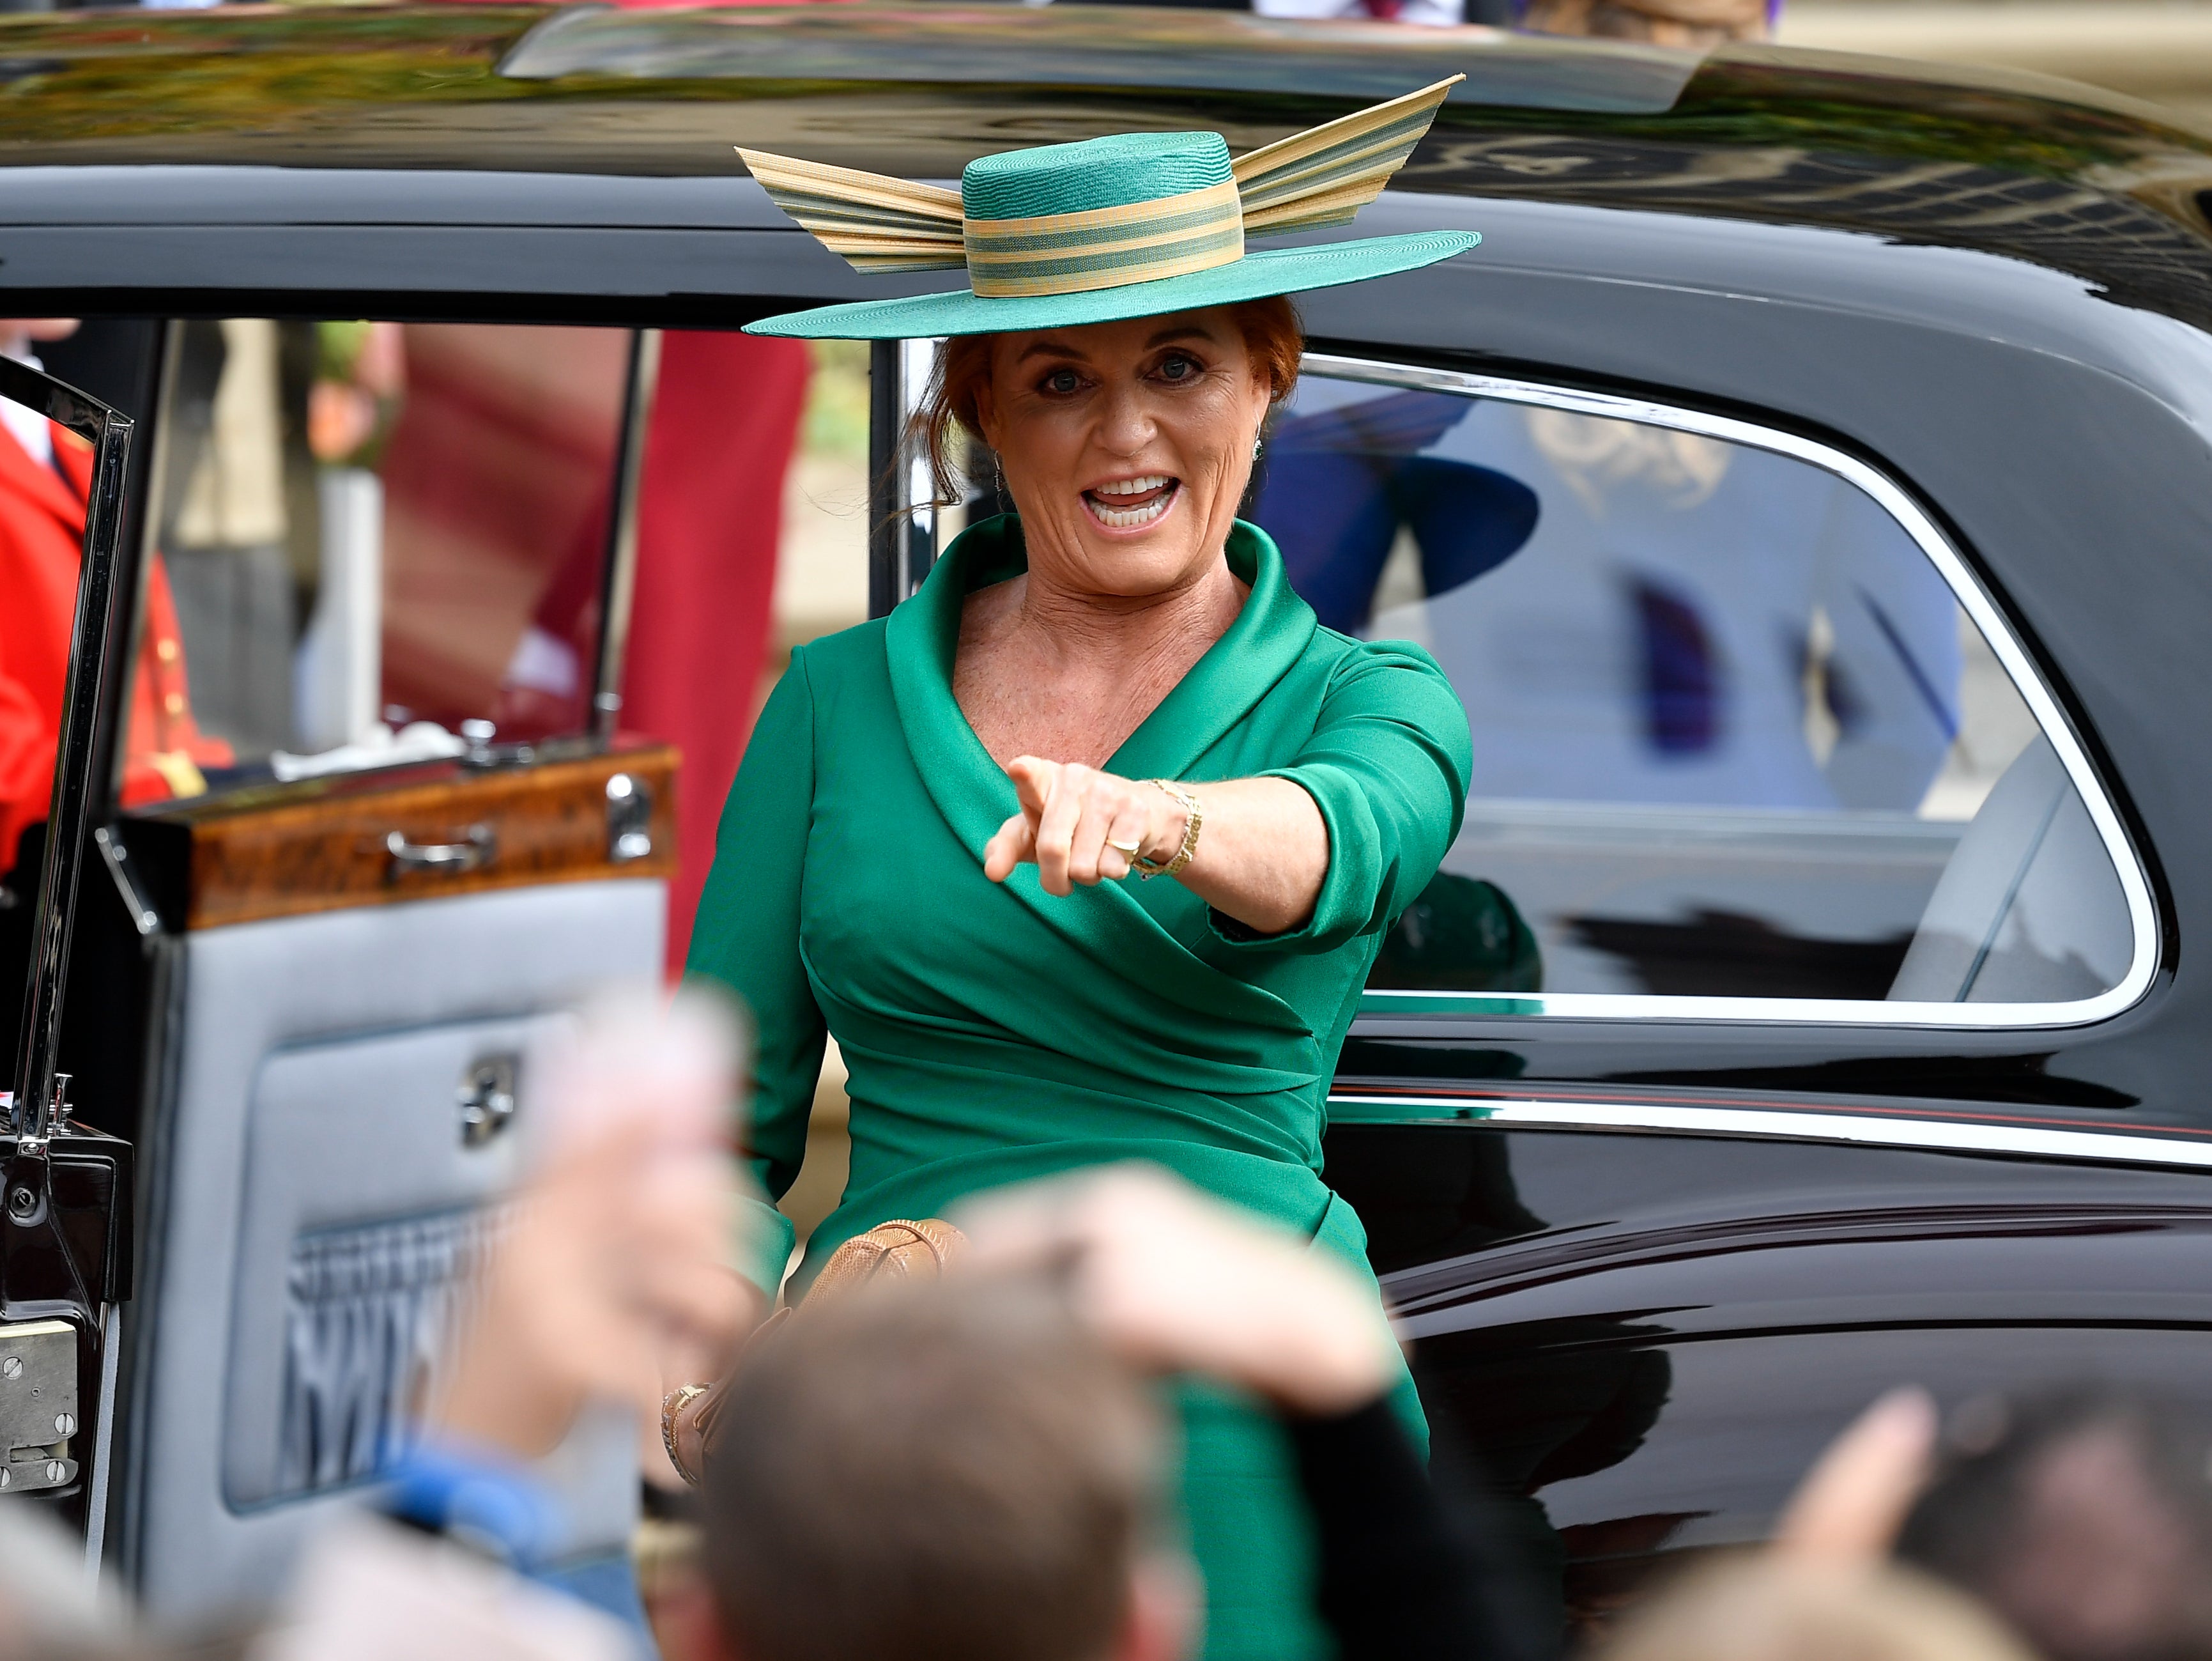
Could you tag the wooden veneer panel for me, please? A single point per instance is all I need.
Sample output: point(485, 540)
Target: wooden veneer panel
point(320, 845)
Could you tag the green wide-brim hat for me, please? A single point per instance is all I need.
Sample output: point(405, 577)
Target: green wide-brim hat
point(1133, 225)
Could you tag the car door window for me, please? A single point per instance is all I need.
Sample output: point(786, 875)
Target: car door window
point(1746, 737)
point(370, 536)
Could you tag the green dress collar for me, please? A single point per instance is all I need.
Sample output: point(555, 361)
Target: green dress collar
point(974, 796)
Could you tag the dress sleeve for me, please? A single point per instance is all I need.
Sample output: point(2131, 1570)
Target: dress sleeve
point(1388, 766)
point(746, 940)
point(1415, 1566)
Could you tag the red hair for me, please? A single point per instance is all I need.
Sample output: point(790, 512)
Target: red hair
point(1272, 335)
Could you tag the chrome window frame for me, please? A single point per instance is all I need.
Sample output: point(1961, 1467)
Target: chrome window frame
point(1966, 586)
point(2168, 1147)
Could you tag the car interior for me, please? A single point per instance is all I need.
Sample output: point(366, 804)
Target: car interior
point(1734, 733)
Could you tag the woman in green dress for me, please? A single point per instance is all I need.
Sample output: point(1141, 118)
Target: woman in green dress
point(939, 845)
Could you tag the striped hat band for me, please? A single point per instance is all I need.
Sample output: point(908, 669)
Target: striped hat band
point(1105, 247)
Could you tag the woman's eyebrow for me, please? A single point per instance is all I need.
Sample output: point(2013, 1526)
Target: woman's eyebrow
point(1179, 331)
point(1048, 348)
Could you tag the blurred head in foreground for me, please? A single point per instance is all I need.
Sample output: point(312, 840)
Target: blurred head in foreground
point(2083, 1518)
point(952, 1472)
point(1773, 1608)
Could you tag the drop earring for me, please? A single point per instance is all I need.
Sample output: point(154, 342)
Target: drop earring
point(1258, 445)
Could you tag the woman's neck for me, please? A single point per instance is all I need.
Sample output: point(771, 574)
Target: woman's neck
point(1110, 632)
point(1044, 668)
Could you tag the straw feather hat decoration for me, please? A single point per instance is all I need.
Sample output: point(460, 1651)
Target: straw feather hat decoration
point(1132, 225)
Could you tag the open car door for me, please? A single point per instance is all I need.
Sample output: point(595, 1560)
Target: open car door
point(368, 837)
point(65, 1211)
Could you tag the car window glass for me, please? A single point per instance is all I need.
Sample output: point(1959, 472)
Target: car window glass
point(1734, 736)
point(368, 534)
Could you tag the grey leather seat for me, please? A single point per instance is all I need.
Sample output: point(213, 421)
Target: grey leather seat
point(2028, 908)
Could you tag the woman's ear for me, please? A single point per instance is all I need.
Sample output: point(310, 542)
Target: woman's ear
point(1263, 395)
point(987, 415)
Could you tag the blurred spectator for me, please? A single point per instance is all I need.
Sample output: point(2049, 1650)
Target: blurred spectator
point(613, 1267)
point(1772, 1608)
point(948, 1472)
point(960, 1469)
point(2084, 1518)
point(227, 522)
point(965, 1467)
point(1429, 13)
point(1433, 13)
point(1695, 23)
point(725, 422)
point(1176, 1283)
point(1664, 22)
point(50, 1610)
point(45, 480)
point(1848, 1508)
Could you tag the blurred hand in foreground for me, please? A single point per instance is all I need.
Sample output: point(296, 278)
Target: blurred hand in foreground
point(1847, 1510)
point(615, 1267)
point(1175, 1281)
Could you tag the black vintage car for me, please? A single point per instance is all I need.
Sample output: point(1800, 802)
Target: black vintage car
point(1806, 483)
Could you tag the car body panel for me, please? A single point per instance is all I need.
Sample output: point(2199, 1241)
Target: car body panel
point(1647, 1338)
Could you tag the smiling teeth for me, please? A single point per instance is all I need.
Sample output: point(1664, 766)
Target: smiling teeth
point(1122, 519)
point(1125, 519)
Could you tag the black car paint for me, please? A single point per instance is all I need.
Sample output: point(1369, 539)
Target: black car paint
point(1645, 1340)
point(1648, 1335)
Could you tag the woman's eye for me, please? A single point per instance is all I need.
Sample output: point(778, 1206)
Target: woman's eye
point(1178, 367)
point(1062, 381)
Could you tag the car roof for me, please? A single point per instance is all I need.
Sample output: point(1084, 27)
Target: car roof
point(585, 115)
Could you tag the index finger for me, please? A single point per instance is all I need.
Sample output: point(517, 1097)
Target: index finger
point(1033, 777)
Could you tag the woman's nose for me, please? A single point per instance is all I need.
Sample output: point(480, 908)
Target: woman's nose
point(1125, 421)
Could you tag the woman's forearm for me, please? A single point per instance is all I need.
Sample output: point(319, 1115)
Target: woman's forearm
point(1262, 851)
point(1262, 847)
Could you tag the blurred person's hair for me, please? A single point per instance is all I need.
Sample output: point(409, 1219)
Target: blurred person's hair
point(1767, 1607)
point(947, 1471)
point(2083, 1516)
point(1270, 326)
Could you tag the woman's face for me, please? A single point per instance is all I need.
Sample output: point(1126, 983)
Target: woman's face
point(1126, 445)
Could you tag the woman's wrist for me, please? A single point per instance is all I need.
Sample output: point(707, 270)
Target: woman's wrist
point(1161, 858)
point(1170, 819)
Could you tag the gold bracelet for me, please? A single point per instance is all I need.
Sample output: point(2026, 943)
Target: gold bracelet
point(672, 1405)
point(1192, 820)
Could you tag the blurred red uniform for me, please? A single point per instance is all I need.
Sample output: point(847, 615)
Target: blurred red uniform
point(42, 548)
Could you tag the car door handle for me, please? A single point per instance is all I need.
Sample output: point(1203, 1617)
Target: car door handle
point(479, 847)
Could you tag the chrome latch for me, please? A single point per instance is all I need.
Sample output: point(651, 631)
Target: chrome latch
point(38, 1405)
point(487, 1098)
point(630, 819)
point(479, 847)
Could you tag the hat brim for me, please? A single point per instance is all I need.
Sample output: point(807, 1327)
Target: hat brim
point(1255, 276)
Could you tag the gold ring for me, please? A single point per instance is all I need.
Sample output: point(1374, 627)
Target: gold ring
point(1128, 850)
